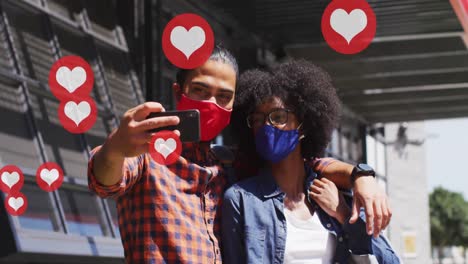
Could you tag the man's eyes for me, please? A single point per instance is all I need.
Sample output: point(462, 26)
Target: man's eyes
point(204, 94)
point(227, 97)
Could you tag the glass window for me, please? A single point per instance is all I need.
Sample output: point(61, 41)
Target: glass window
point(81, 212)
point(74, 42)
point(39, 213)
point(17, 142)
point(66, 8)
point(102, 21)
point(117, 73)
point(31, 43)
point(60, 145)
point(113, 210)
point(6, 60)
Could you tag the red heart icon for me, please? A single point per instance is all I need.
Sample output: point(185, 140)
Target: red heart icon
point(49, 176)
point(71, 77)
point(165, 147)
point(348, 27)
point(16, 203)
point(11, 179)
point(188, 41)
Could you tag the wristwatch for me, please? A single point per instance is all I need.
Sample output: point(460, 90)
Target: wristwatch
point(362, 169)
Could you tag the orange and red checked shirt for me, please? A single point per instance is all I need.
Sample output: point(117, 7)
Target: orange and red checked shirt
point(169, 214)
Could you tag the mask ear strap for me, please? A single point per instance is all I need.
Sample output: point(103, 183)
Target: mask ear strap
point(298, 128)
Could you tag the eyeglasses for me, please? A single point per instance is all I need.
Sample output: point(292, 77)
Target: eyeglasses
point(276, 117)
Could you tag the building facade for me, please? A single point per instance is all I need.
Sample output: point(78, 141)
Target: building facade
point(408, 192)
point(72, 225)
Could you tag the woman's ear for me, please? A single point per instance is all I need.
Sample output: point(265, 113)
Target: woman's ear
point(177, 91)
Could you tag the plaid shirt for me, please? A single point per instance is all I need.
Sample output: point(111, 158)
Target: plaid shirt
point(168, 214)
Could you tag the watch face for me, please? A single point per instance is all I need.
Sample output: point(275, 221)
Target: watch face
point(365, 167)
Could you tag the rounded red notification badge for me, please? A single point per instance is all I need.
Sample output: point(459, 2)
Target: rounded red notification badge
point(16, 203)
point(165, 147)
point(77, 116)
point(71, 76)
point(49, 176)
point(348, 26)
point(11, 179)
point(188, 41)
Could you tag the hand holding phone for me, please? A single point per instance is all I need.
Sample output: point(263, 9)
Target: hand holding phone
point(131, 138)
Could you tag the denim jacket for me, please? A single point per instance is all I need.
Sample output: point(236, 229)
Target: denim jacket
point(254, 227)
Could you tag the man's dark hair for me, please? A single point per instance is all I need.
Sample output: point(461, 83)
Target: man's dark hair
point(220, 54)
point(304, 88)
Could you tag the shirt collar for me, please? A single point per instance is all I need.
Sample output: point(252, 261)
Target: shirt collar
point(197, 152)
point(270, 189)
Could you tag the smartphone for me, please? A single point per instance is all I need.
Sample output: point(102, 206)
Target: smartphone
point(189, 125)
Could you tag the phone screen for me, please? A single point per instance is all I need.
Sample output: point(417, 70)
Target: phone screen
point(189, 125)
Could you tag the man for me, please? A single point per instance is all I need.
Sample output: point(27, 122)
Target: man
point(169, 214)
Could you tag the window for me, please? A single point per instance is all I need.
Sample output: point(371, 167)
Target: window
point(39, 212)
point(81, 212)
point(102, 25)
point(17, 142)
point(113, 210)
point(65, 8)
point(121, 87)
point(38, 39)
point(31, 44)
point(61, 147)
point(6, 60)
point(74, 42)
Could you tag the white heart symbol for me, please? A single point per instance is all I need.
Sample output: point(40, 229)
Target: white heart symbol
point(165, 147)
point(49, 176)
point(348, 25)
point(77, 112)
point(187, 41)
point(15, 203)
point(70, 80)
point(10, 179)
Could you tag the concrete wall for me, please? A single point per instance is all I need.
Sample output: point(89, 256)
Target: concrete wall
point(407, 189)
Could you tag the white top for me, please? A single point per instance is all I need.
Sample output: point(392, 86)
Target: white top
point(307, 241)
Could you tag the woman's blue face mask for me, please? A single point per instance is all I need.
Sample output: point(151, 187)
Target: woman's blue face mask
point(274, 144)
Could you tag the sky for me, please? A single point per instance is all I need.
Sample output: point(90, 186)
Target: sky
point(447, 154)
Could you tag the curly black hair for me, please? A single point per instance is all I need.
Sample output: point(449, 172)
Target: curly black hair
point(304, 88)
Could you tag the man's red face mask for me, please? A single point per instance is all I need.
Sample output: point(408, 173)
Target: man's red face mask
point(213, 118)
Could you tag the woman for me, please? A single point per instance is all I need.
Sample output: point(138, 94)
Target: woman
point(288, 214)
